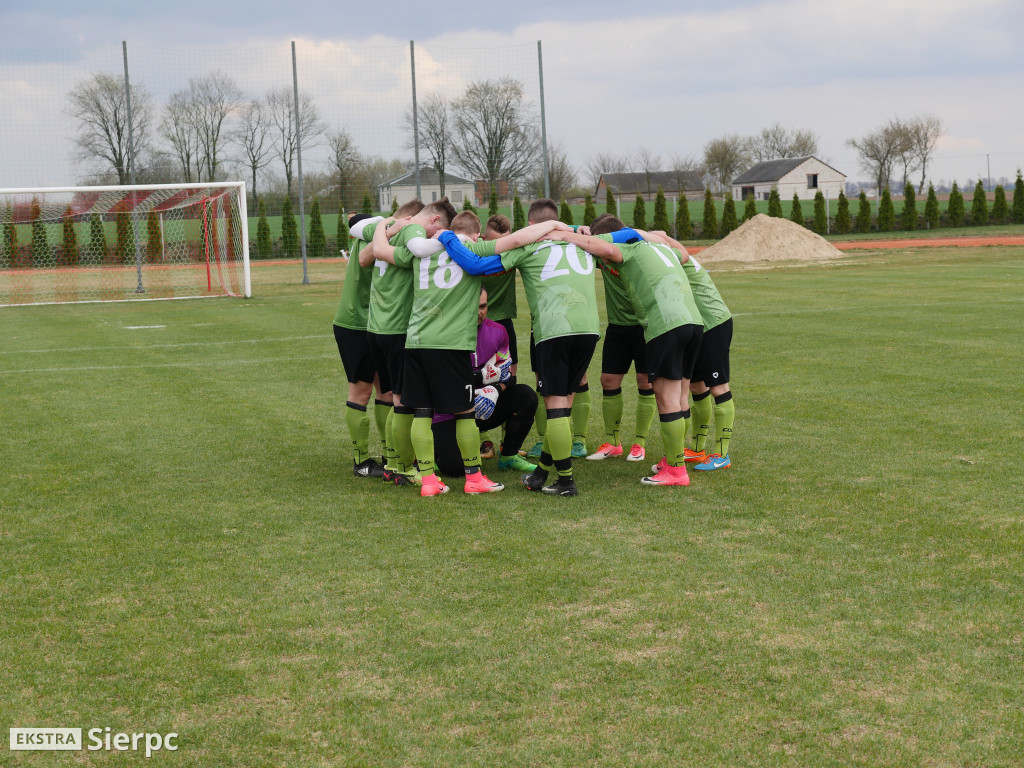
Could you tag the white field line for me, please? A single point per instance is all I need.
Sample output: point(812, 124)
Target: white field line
point(142, 327)
point(167, 345)
point(141, 366)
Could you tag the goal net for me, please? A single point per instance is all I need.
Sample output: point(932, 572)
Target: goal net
point(125, 243)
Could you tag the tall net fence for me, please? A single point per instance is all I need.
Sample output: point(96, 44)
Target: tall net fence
point(202, 115)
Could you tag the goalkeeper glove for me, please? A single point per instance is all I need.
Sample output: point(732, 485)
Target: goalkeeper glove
point(485, 401)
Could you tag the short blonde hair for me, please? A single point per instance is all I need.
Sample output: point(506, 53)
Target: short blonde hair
point(466, 223)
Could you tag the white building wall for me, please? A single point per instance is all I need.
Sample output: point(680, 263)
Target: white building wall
point(403, 193)
point(830, 181)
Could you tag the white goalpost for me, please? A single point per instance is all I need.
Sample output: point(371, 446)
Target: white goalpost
point(123, 243)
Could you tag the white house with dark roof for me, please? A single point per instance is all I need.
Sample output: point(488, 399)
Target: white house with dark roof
point(403, 189)
point(801, 175)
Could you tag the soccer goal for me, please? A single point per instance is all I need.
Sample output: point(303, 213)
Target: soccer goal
point(125, 243)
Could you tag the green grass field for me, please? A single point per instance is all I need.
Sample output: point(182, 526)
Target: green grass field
point(183, 546)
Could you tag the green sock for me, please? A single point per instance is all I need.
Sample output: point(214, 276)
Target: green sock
point(381, 411)
point(611, 410)
point(645, 410)
point(540, 420)
point(701, 408)
point(581, 406)
point(404, 452)
point(559, 438)
point(358, 422)
point(421, 435)
point(725, 415)
point(468, 438)
point(390, 457)
point(673, 435)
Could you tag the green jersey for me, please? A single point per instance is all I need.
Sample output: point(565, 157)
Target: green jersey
point(391, 287)
point(355, 292)
point(558, 279)
point(657, 277)
point(618, 297)
point(501, 295)
point(445, 300)
point(709, 301)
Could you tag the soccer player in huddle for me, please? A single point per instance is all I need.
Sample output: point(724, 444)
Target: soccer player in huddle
point(361, 369)
point(673, 329)
point(623, 346)
point(441, 339)
point(500, 400)
point(558, 279)
point(391, 294)
point(711, 372)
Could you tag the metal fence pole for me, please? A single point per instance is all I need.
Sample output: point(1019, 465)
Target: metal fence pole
point(131, 170)
point(298, 148)
point(415, 120)
point(543, 122)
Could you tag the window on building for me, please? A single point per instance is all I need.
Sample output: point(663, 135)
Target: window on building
point(457, 196)
point(746, 192)
point(812, 181)
point(433, 196)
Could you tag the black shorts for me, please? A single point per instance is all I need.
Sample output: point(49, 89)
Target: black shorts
point(388, 353)
point(562, 363)
point(533, 353)
point(623, 346)
point(713, 358)
point(672, 354)
point(509, 326)
point(441, 379)
point(354, 348)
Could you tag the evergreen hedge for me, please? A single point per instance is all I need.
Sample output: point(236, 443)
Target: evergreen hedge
point(908, 217)
point(979, 205)
point(709, 225)
point(843, 214)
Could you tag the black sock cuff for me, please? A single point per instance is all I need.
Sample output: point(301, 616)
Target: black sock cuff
point(667, 417)
point(378, 401)
point(612, 392)
point(645, 392)
point(563, 465)
point(701, 396)
point(686, 413)
point(719, 399)
point(355, 406)
point(469, 415)
point(421, 413)
point(404, 410)
point(582, 388)
point(559, 413)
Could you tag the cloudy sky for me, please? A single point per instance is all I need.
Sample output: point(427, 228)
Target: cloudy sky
point(666, 76)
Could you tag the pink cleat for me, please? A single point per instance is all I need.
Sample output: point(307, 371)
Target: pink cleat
point(606, 451)
point(669, 476)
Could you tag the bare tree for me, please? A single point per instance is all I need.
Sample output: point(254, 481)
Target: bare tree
point(99, 106)
point(252, 135)
point(925, 133)
point(281, 113)
point(649, 162)
point(216, 98)
point(879, 151)
point(725, 157)
point(562, 175)
point(776, 142)
point(344, 159)
point(494, 131)
point(435, 124)
point(605, 162)
point(179, 126)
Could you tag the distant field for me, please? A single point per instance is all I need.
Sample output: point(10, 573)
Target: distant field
point(183, 546)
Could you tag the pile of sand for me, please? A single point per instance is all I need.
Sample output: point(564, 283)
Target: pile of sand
point(764, 238)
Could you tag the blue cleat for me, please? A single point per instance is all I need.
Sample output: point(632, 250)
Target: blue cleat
point(579, 450)
point(713, 462)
